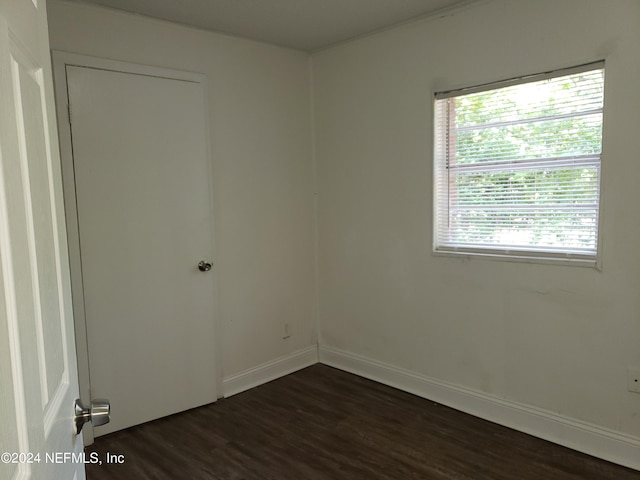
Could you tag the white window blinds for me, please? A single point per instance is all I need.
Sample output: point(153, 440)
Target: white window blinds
point(517, 166)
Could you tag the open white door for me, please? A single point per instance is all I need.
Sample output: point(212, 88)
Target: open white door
point(38, 378)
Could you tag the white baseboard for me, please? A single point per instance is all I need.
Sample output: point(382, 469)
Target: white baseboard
point(269, 371)
point(575, 434)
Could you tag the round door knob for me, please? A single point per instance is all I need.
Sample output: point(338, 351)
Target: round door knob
point(98, 413)
point(204, 266)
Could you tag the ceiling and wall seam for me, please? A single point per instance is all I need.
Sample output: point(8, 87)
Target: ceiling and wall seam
point(173, 24)
point(427, 17)
point(346, 32)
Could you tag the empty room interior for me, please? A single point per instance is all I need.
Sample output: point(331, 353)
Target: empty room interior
point(256, 209)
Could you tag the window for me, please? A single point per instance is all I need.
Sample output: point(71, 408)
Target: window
point(517, 166)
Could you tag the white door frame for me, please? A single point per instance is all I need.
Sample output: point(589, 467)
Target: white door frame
point(60, 62)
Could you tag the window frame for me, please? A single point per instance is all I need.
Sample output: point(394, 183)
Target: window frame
point(528, 254)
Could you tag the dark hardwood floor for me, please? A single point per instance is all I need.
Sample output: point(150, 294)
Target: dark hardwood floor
point(325, 424)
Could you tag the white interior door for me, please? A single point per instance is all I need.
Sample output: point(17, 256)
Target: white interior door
point(144, 219)
point(38, 379)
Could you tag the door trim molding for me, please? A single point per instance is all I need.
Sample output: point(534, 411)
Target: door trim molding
point(60, 61)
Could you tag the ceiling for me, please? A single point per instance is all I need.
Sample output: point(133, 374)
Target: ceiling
point(302, 24)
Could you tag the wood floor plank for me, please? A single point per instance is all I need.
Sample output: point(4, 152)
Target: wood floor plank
point(324, 424)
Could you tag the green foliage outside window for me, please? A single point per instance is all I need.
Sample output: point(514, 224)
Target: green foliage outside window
point(524, 164)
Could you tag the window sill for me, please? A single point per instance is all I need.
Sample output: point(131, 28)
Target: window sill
point(519, 257)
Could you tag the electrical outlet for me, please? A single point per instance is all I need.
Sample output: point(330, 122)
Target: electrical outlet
point(633, 379)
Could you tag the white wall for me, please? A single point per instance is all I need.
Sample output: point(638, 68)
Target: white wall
point(558, 338)
point(260, 133)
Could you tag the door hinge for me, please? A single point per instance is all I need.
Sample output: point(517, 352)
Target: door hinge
point(69, 112)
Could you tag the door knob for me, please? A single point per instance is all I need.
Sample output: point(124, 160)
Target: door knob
point(98, 414)
point(204, 266)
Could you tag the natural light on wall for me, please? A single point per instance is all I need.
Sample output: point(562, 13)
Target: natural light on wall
point(517, 166)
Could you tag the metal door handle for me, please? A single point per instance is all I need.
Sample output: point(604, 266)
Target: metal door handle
point(204, 266)
point(98, 413)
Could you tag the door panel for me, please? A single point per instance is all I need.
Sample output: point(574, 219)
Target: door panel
point(40, 228)
point(144, 221)
point(38, 365)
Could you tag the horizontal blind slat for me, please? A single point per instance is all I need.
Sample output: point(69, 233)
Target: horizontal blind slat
point(524, 121)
